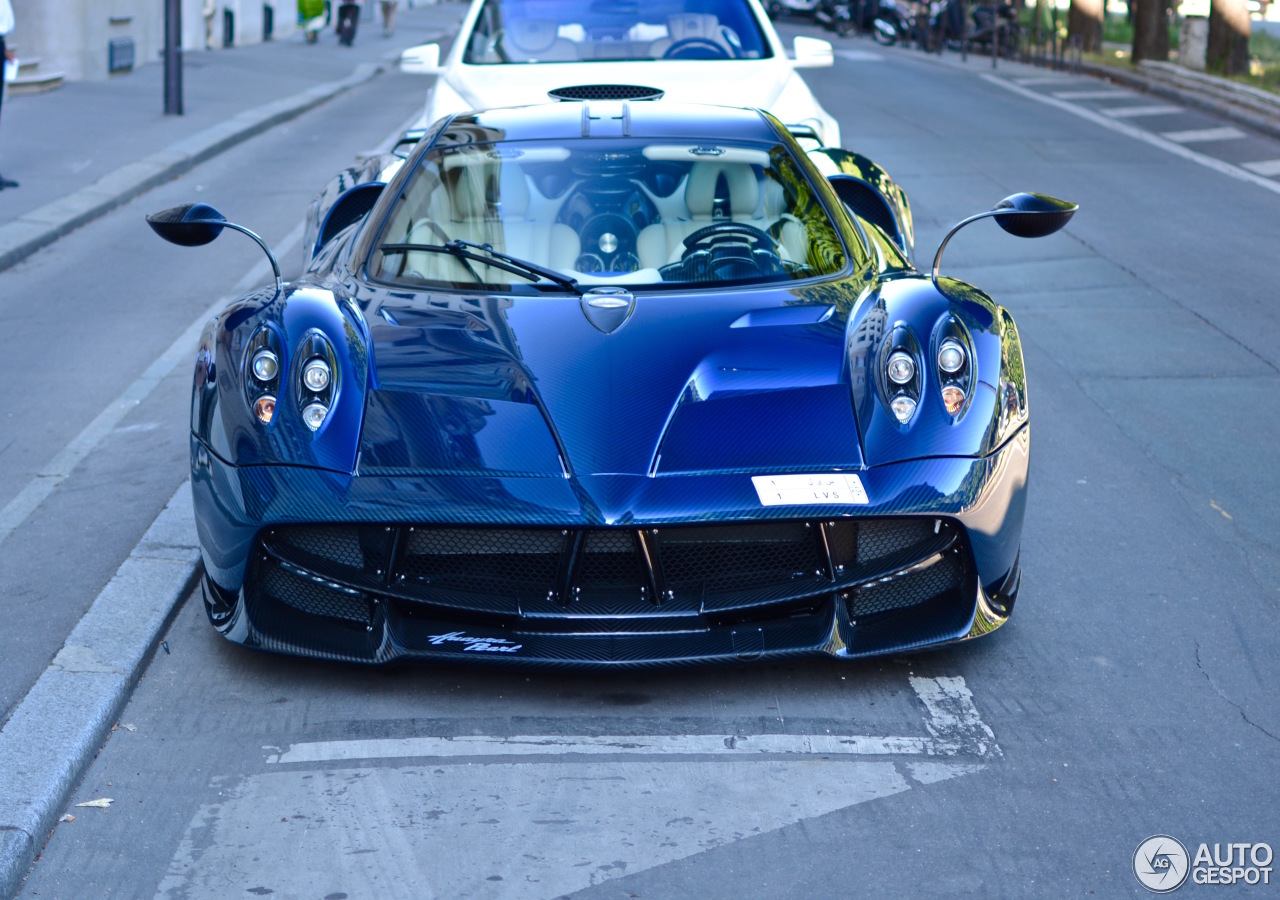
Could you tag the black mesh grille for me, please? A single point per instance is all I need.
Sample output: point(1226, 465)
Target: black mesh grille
point(510, 562)
point(756, 570)
point(908, 590)
point(880, 539)
point(735, 558)
point(314, 598)
point(610, 561)
point(606, 92)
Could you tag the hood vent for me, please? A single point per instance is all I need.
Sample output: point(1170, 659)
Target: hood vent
point(579, 92)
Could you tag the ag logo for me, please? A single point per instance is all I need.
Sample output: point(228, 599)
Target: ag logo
point(1161, 864)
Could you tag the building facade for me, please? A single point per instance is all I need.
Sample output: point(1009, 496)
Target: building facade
point(93, 39)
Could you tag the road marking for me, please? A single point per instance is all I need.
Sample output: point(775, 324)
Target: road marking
point(1111, 94)
point(1134, 112)
point(1265, 167)
point(547, 815)
point(1138, 134)
point(954, 725)
point(1201, 135)
point(860, 55)
point(56, 471)
point(1061, 79)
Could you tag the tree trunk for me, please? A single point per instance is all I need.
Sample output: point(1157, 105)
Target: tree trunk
point(1228, 52)
point(1084, 20)
point(1150, 30)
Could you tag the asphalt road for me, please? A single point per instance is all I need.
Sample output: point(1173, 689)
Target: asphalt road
point(1132, 694)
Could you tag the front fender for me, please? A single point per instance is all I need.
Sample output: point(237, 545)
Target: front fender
point(222, 420)
point(996, 403)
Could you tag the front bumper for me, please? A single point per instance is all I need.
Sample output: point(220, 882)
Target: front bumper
point(258, 595)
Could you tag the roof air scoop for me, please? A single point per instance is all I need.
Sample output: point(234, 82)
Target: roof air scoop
point(579, 92)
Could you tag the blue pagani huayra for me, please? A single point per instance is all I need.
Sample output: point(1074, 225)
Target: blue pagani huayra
point(610, 382)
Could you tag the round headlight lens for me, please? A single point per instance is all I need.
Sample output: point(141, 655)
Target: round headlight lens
point(950, 357)
point(315, 375)
point(265, 365)
point(314, 414)
point(264, 408)
point(903, 408)
point(902, 368)
point(952, 398)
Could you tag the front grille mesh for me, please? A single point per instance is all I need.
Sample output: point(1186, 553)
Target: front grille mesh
point(911, 589)
point(606, 92)
point(673, 572)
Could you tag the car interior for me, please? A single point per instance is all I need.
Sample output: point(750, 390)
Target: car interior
point(656, 213)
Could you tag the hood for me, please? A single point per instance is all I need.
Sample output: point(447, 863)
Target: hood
point(738, 82)
point(752, 381)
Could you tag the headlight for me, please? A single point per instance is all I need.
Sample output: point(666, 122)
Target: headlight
point(265, 365)
point(315, 375)
point(901, 368)
point(903, 408)
point(950, 357)
point(316, 380)
point(314, 414)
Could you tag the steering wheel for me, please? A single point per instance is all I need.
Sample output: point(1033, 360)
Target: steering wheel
point(731, 233)
point(704, 48)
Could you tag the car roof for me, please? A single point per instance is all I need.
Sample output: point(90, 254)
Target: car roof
point(571, 119)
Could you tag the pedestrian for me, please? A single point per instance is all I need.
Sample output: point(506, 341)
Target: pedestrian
point(388, 16)
point(348, 19)
point(209, 12)
point(7, 56)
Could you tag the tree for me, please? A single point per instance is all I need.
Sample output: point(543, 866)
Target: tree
point(1084, 20)
point(1228, 51)
point(1150, 30)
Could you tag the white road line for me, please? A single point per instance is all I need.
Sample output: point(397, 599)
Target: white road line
point(860, 55)
point(1061, 79)
point(649, 744)
point(1201, 135)
point(954, 725)
point(1265, 167)
point(1138, 134)
point(1110, 94)
point(54, 472)
point(1134, 112)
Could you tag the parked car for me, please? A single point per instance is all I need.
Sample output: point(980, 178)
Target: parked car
point(611, 383)
point(511, 52)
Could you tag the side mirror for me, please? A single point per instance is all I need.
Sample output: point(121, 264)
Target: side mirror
point(1022, 215)
point(423, 59)
point(811, 53)
point(188, 225)
point(1033, 215)
point(196, 224)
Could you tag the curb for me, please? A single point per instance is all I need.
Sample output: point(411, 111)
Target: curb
point(40, 227)
point(60, 725)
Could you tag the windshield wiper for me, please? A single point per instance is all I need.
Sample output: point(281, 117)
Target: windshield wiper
point(496, 258)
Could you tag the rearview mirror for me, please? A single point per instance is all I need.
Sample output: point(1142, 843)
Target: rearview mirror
point(811, 53)
point(197, 224)
point(1022, 215)
point(1033, 215)
point(423, 59)
point(188, 225)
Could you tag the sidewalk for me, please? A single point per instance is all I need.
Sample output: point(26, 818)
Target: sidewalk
point(82, 149)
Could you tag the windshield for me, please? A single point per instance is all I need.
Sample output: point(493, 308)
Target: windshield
point(532, 31)
point(608, 212)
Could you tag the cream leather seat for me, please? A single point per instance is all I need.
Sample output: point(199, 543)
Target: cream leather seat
point(488, 205)
point(663, 242)
point(537, 40)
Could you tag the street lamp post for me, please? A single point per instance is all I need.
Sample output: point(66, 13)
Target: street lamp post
point(173, 57)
